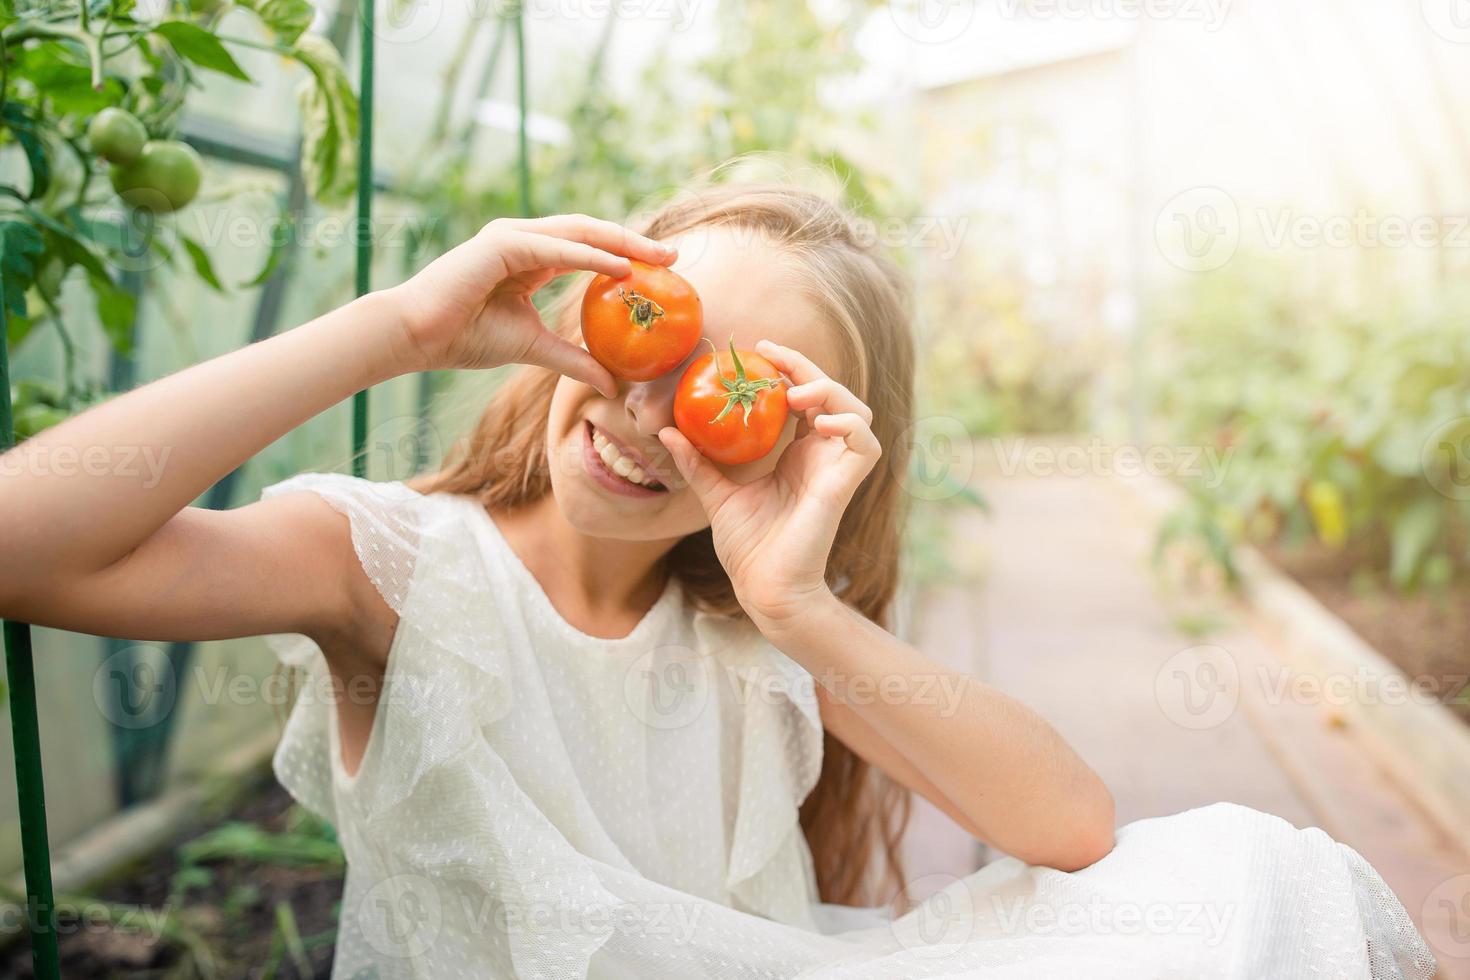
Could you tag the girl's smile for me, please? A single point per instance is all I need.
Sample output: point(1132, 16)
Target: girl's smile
point(614, 466)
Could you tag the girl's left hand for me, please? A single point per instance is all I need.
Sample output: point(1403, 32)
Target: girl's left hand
point(774, 535)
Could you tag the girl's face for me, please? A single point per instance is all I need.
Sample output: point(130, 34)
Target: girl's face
point(748, 291)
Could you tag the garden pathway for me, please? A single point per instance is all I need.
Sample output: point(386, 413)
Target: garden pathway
point(1069, 618)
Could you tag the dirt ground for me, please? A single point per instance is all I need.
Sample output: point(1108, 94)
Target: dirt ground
point(232, 908)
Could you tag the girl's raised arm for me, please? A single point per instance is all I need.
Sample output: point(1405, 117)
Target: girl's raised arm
point(94, 512)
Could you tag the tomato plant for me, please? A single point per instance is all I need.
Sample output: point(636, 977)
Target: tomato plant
point(116, 135)
point(164, 177)
point(1347, 425)
point(643, 325)
point(97, 87)
point(732, 410)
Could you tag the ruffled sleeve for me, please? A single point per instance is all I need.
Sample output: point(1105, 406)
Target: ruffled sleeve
point(780, 761)
point(383, 519)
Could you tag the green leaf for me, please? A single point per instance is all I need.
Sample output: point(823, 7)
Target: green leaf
point(20, 246)
point(287, 19)
point(17, 329)
point(277, 252)
point(202, 266)
point(1411, 533)
point(329, 123)
point(64, 80)
point(117, 309)
point(29, 138)
point(201, 47)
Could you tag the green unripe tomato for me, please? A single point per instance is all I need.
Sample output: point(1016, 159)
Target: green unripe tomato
point(164, 178)
point(48, 280)
point(116, 135)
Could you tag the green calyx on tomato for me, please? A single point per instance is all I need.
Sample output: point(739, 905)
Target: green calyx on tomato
point(706, 398)
point(164, 177)
point(116, 135)
point(642, 311)
point(740, 390)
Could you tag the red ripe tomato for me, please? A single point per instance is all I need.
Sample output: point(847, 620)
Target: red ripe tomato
point(643, 325)
point(731, 408)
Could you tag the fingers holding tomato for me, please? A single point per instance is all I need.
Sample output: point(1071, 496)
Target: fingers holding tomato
point(731, 407)
point(642, 325)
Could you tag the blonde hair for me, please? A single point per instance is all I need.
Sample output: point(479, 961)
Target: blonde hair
point(855, 815)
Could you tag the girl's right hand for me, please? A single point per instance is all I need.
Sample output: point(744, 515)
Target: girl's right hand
point(471, 307)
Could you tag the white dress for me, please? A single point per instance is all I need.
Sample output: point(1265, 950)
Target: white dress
point(534, 802)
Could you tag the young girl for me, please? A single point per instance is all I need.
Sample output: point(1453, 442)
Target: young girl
point(572, 723)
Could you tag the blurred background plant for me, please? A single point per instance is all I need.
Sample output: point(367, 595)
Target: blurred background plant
point(1342, 421)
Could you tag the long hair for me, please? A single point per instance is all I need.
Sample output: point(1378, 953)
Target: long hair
point(854, 817)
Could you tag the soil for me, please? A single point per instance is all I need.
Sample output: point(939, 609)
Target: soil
point(1426, 634)
point(234, 912)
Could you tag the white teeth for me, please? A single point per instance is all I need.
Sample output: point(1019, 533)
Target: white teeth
point(623, 466)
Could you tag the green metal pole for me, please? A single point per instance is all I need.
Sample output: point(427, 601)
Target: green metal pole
point(523, 144)
point(30, 790)
point(364, 217)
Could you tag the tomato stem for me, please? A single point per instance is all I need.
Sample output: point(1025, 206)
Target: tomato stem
point(642, 311)
point(740, 390)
